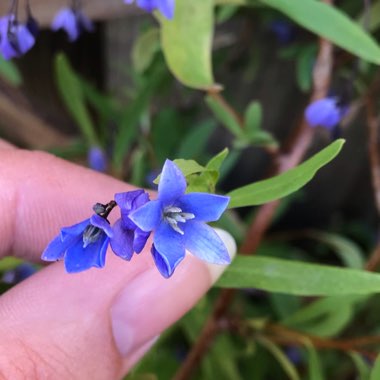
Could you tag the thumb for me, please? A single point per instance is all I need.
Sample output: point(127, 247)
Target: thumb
point(95, 324)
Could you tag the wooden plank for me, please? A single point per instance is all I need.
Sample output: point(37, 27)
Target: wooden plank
point(44, 10)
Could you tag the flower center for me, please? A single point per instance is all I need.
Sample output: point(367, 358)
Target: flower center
point(90, 235)
point(173, 215)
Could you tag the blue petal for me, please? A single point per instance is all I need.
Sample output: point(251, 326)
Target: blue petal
point(148, 216)
point(166, 7)
point(75, 230)
point(148, 5)
point(55, 250)
point(203, 242)
point(78, 259)
point(98, 221)
point(130, 201)
point(323, 112)
point(205, 207)
point(25, 39)
point(97, 159)
point(162, 263)
point(172, 183)
point(84, 23)
point(139, 240)
point(66, 19)
point(122, 241)
point(169, 245)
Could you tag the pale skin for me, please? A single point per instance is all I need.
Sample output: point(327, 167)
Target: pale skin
point(92, 325)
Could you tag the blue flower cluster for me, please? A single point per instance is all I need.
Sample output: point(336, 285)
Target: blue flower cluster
point(178, 220)
point(17, 38)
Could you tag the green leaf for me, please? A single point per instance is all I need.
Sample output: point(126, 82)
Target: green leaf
point(374, 17)
point(10, 72)
point(361, 365)
point(315, 367)
point(349, 252)
point(329, 22)
point(196, 140)
point(9, 263)
point(187, 42)
point(145, 48)
point(305, 62)
point(216, 162)
point(298, 278)
point(71, 92)
point(225, 117)
point(375, 373)
point(253, 118)
point(286, 183)
point(288, 367)
point(321, 318)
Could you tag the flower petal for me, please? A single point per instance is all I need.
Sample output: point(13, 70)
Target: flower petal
point(147, 217)
point(205, 207)
point(122, 241)
point(139, 240)
point(66, 20)
point(78, 259)
point(166, 7)
point(56, 249)
point(75, 230)
point(172, 183)
point(98, 221)
point(323, 112)
point(203, 242)
point(162, 264)
point(169, 249)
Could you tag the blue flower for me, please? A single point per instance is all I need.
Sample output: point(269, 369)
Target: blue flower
point(15, 38)
point(166, 7)
point(127, 237)
point(82, 246)
point(97, 159)
point(18, 274)
point(178, 220)
point(73, 22)
point(326, 112)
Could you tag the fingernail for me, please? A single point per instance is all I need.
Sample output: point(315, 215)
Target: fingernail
point(217, 270)
point(149, 304)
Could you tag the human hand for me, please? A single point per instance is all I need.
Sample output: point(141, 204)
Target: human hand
point(91, 325)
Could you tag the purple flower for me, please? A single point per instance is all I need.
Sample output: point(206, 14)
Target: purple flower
point(326, 112)
point(15, 39)
point(127, 237)
point(97, 159)
point(178, 220)
point(82, 246)
point(73, 22)
point(166, 7)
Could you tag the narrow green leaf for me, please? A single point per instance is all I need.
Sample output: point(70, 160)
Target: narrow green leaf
point(315, 367)
point(10, 72)
point(375, 373)
point(224, 117)
point(374, 17)
point(187, 42)
point(361, 365)
point(216, 162)
point(72, 94)
point(294, 277)
point(331, 23)
point(288, 367)
point(145, 48)
point(349, 252)
point(284, 184)
point(253, 118)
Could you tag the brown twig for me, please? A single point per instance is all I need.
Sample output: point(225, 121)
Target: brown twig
point(291, 156)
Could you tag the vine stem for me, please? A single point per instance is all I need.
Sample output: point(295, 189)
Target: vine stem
point(292, 153)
